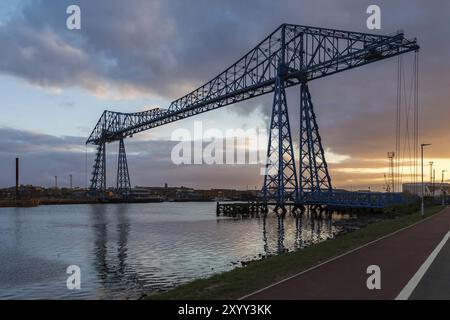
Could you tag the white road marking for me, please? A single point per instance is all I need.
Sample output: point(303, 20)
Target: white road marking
point(412, 284)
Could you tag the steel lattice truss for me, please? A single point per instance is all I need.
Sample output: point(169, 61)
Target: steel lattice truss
point(280, 180)
point(98, 181)
point(304, 54)
point(291, 55)
point(313, 166)
point(123, 185)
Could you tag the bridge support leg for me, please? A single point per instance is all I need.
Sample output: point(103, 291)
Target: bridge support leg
point(98, 180)
point(123, 177)
point(313, 172)
point(280, 179)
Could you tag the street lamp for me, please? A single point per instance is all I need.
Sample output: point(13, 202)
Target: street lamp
point(431, 172)
point(421, 154)
point(442, 187)
point(433, 183)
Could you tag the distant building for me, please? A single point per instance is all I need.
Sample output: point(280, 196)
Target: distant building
point(189, 194)
point(430, 189)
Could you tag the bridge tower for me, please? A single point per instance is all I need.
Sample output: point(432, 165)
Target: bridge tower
point(281, 184)
point(313, 173)
point(280, 176)
point(280, 179)
point(123, 177)
point(98, 181)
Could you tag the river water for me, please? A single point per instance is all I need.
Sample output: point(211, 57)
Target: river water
point(124, 250)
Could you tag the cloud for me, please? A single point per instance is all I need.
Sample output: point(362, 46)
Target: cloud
point(45, 156)
point(149, 47)
point(165, 48)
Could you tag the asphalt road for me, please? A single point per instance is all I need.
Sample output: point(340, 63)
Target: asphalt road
point(435, 284)
point(399, 257)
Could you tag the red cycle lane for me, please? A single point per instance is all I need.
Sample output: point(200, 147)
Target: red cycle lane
point(399, 256)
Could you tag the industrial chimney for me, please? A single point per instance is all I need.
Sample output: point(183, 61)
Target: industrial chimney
point(17, 178)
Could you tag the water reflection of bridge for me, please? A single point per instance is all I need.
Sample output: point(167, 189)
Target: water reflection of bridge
point(283, 233)
point(113, 271)
point(310, 229)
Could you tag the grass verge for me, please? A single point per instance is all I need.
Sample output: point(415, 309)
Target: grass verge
point(258, 274)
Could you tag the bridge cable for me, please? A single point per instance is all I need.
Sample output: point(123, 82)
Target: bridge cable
point(408, 96)
point(416, 111)
point(398, 122)
point(406, 152)
point(85, 167)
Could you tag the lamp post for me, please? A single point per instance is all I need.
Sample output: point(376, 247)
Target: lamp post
point(431, 171)
point(431, 177)
point(442, 187)
point(433, 184)
point(421, 155)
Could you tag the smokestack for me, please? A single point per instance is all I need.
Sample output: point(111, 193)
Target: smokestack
point(17, 178)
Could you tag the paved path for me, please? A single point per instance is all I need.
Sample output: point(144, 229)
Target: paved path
point(435, 284)
point(399, 256)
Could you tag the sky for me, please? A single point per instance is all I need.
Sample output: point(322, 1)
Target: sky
point(130, 56)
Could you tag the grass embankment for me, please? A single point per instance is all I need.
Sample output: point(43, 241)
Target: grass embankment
point(241, 281)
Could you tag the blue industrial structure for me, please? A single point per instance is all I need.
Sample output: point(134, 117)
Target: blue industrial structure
point(123, 185)
point(98, 181)
point(313, 166)
point(280, 179)
point(291, 55)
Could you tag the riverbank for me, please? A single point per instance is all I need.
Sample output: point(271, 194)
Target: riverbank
point(18, 203)
point(258, 274)
point(67, 201)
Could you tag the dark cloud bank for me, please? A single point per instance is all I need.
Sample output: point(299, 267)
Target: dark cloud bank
point(44, 156)
point(163, 48)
